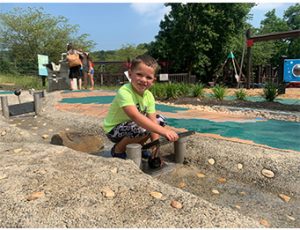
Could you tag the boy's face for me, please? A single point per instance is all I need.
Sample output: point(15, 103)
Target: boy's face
point(142, 78)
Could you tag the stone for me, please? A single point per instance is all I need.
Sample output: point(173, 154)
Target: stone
point(156, 195)
point(222, 180)
point(3, 133)
point(200, 175)
point(267, 173)
point(17, 150)
point(45, 136)
point(176, 204)
point(239, 166)
point(35, 195)
point(290, 218)
point(215, 191)
point(265, 223)
point(88, 143)
point(211, 161)
point(181, 184)
point(284, 197)
point(107, 192)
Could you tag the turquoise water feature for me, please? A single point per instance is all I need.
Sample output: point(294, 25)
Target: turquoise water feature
point(277, 134)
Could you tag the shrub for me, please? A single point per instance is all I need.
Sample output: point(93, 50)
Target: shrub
point(219, 92)
point(159, 91)
point(198, 90)
point(270, 92)
point(172, 91)
point(240, 94)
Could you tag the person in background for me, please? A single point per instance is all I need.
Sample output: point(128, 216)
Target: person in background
point(85, 68)
point(91, 73)
point(132, 116)
point(74, 72)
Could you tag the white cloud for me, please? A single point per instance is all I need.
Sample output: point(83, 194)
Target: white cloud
point(150, 11)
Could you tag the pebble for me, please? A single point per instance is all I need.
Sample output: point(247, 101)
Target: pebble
point(222, 180)
point(211, 161)
point(114, 170)
point(284, 197)
point(181, 184)
point(264, 222)
point(107, 192)
point(50, 130)
point(45, 136)
point(243, 193)
point(176, 204)
point(17, 150)
point(267, 173)
point(238, 207)
point(215, 191)
point(3, 133)
point(200, 175)
point(44, 124)
point(3, 176)
point(67, 129)
point(156, 195)
point(35, 196)
point(239, 166)
point(290, 218)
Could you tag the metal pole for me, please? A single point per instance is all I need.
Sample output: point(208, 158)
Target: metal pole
point(37, 103)
point(134, 152)
point(4, 104)
point(180, 149)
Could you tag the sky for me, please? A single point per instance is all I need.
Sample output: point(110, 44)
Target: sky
point(113, 25)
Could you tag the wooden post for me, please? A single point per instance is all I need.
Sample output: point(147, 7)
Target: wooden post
point(249, 60)
point(4, 104)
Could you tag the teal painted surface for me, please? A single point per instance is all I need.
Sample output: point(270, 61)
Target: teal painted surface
point(76, 91)
point(109, 99)
point(88, 100)
point(6, 92)
point(277, 134)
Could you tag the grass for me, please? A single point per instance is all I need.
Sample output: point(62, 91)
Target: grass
point(23, 82)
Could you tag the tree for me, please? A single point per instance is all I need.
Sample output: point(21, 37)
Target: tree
point(26, 33)
point(197, 37)
point(292, 17)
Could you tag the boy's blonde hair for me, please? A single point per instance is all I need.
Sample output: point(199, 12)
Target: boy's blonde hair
point(147, 60)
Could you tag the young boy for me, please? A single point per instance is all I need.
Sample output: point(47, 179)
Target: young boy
point(132, 117)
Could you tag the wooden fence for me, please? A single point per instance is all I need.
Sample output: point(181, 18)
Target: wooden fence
point(109, 79)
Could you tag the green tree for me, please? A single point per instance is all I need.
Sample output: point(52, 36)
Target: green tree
point(24, 33)
point(197, 37)
point(292, 17)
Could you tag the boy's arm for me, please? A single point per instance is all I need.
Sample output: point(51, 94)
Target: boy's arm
point(148, 124)
point(152, 117)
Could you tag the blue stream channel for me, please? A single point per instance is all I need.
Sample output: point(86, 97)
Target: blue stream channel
point(274, 133)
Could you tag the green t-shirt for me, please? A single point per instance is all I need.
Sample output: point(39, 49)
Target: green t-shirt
point(126, 96)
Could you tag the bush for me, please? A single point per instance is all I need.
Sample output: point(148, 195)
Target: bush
point(198, 90)
point(172, 91)
point(240, 94)
point(219, 92)
point(159, 91)
point(270, 92)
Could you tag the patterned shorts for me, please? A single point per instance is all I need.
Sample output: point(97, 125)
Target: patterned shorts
point(131, 129)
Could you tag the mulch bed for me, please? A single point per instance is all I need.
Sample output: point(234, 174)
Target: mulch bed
point(235, 103)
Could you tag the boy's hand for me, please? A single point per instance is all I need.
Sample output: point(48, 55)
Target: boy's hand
point(171, 135)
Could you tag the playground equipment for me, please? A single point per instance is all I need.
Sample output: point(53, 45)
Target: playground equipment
point(22, 108)
point(291, 72)
point(134, 151)
point(58, 75)
point(266, 37)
